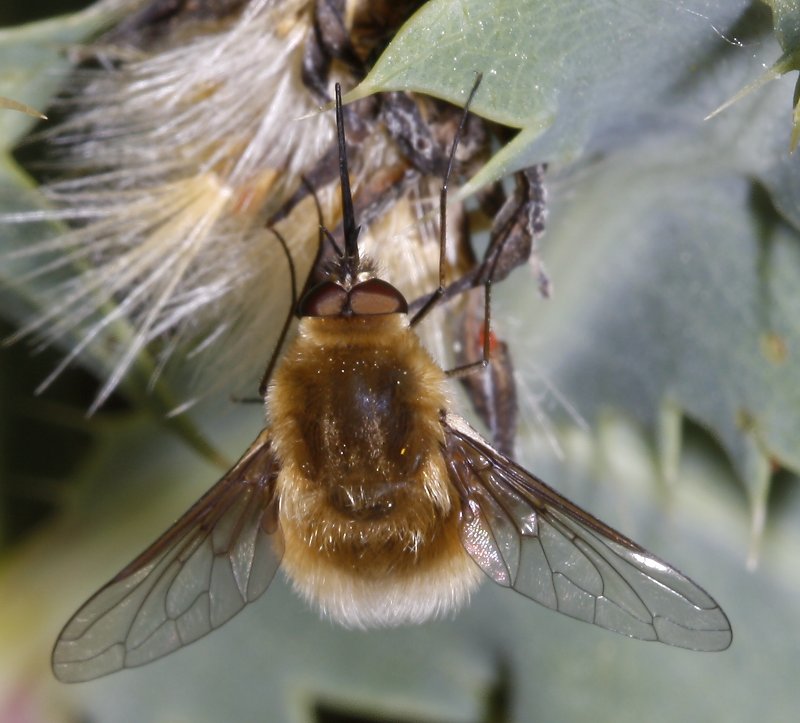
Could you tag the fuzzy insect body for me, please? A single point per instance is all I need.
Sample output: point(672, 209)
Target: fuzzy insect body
point(381, 504)
point(369, 517)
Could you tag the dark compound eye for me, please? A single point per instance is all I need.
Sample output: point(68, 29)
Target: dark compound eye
point(325, 299)
point(376, 296)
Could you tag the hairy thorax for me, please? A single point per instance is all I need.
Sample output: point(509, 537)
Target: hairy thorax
point(365, 501)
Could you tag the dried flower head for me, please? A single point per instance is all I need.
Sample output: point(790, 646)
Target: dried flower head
point(170, 161)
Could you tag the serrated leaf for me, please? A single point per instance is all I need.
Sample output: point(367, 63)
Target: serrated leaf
point(571, 75)
point(645, 77)
point(677, 284)
point(786, 20)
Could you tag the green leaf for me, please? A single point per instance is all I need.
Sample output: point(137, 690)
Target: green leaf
point(655, 237)
point(786, 20)
point(35, 58)
point(786, 17)
point(572, 75)
point(677, 286)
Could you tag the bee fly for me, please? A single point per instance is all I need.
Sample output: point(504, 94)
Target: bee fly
point(382, 506)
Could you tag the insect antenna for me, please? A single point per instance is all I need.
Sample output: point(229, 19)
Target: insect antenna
point(351, 260)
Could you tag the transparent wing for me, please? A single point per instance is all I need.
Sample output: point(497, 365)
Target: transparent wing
point(526, 536)
point(221, 555)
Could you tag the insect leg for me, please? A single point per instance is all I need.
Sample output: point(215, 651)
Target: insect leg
point(437, 295)
point(262, 387)
point(493, 394)
point(518, 225)
point(519, 222)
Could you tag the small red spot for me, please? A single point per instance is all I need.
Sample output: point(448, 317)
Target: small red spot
point(492, 340)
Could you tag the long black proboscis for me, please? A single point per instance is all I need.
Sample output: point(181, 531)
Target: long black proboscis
point(348, 214)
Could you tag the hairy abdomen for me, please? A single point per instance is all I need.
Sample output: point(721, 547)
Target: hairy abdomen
point(369, 518)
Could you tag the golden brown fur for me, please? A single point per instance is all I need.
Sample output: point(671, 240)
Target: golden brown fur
point(369, 517)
